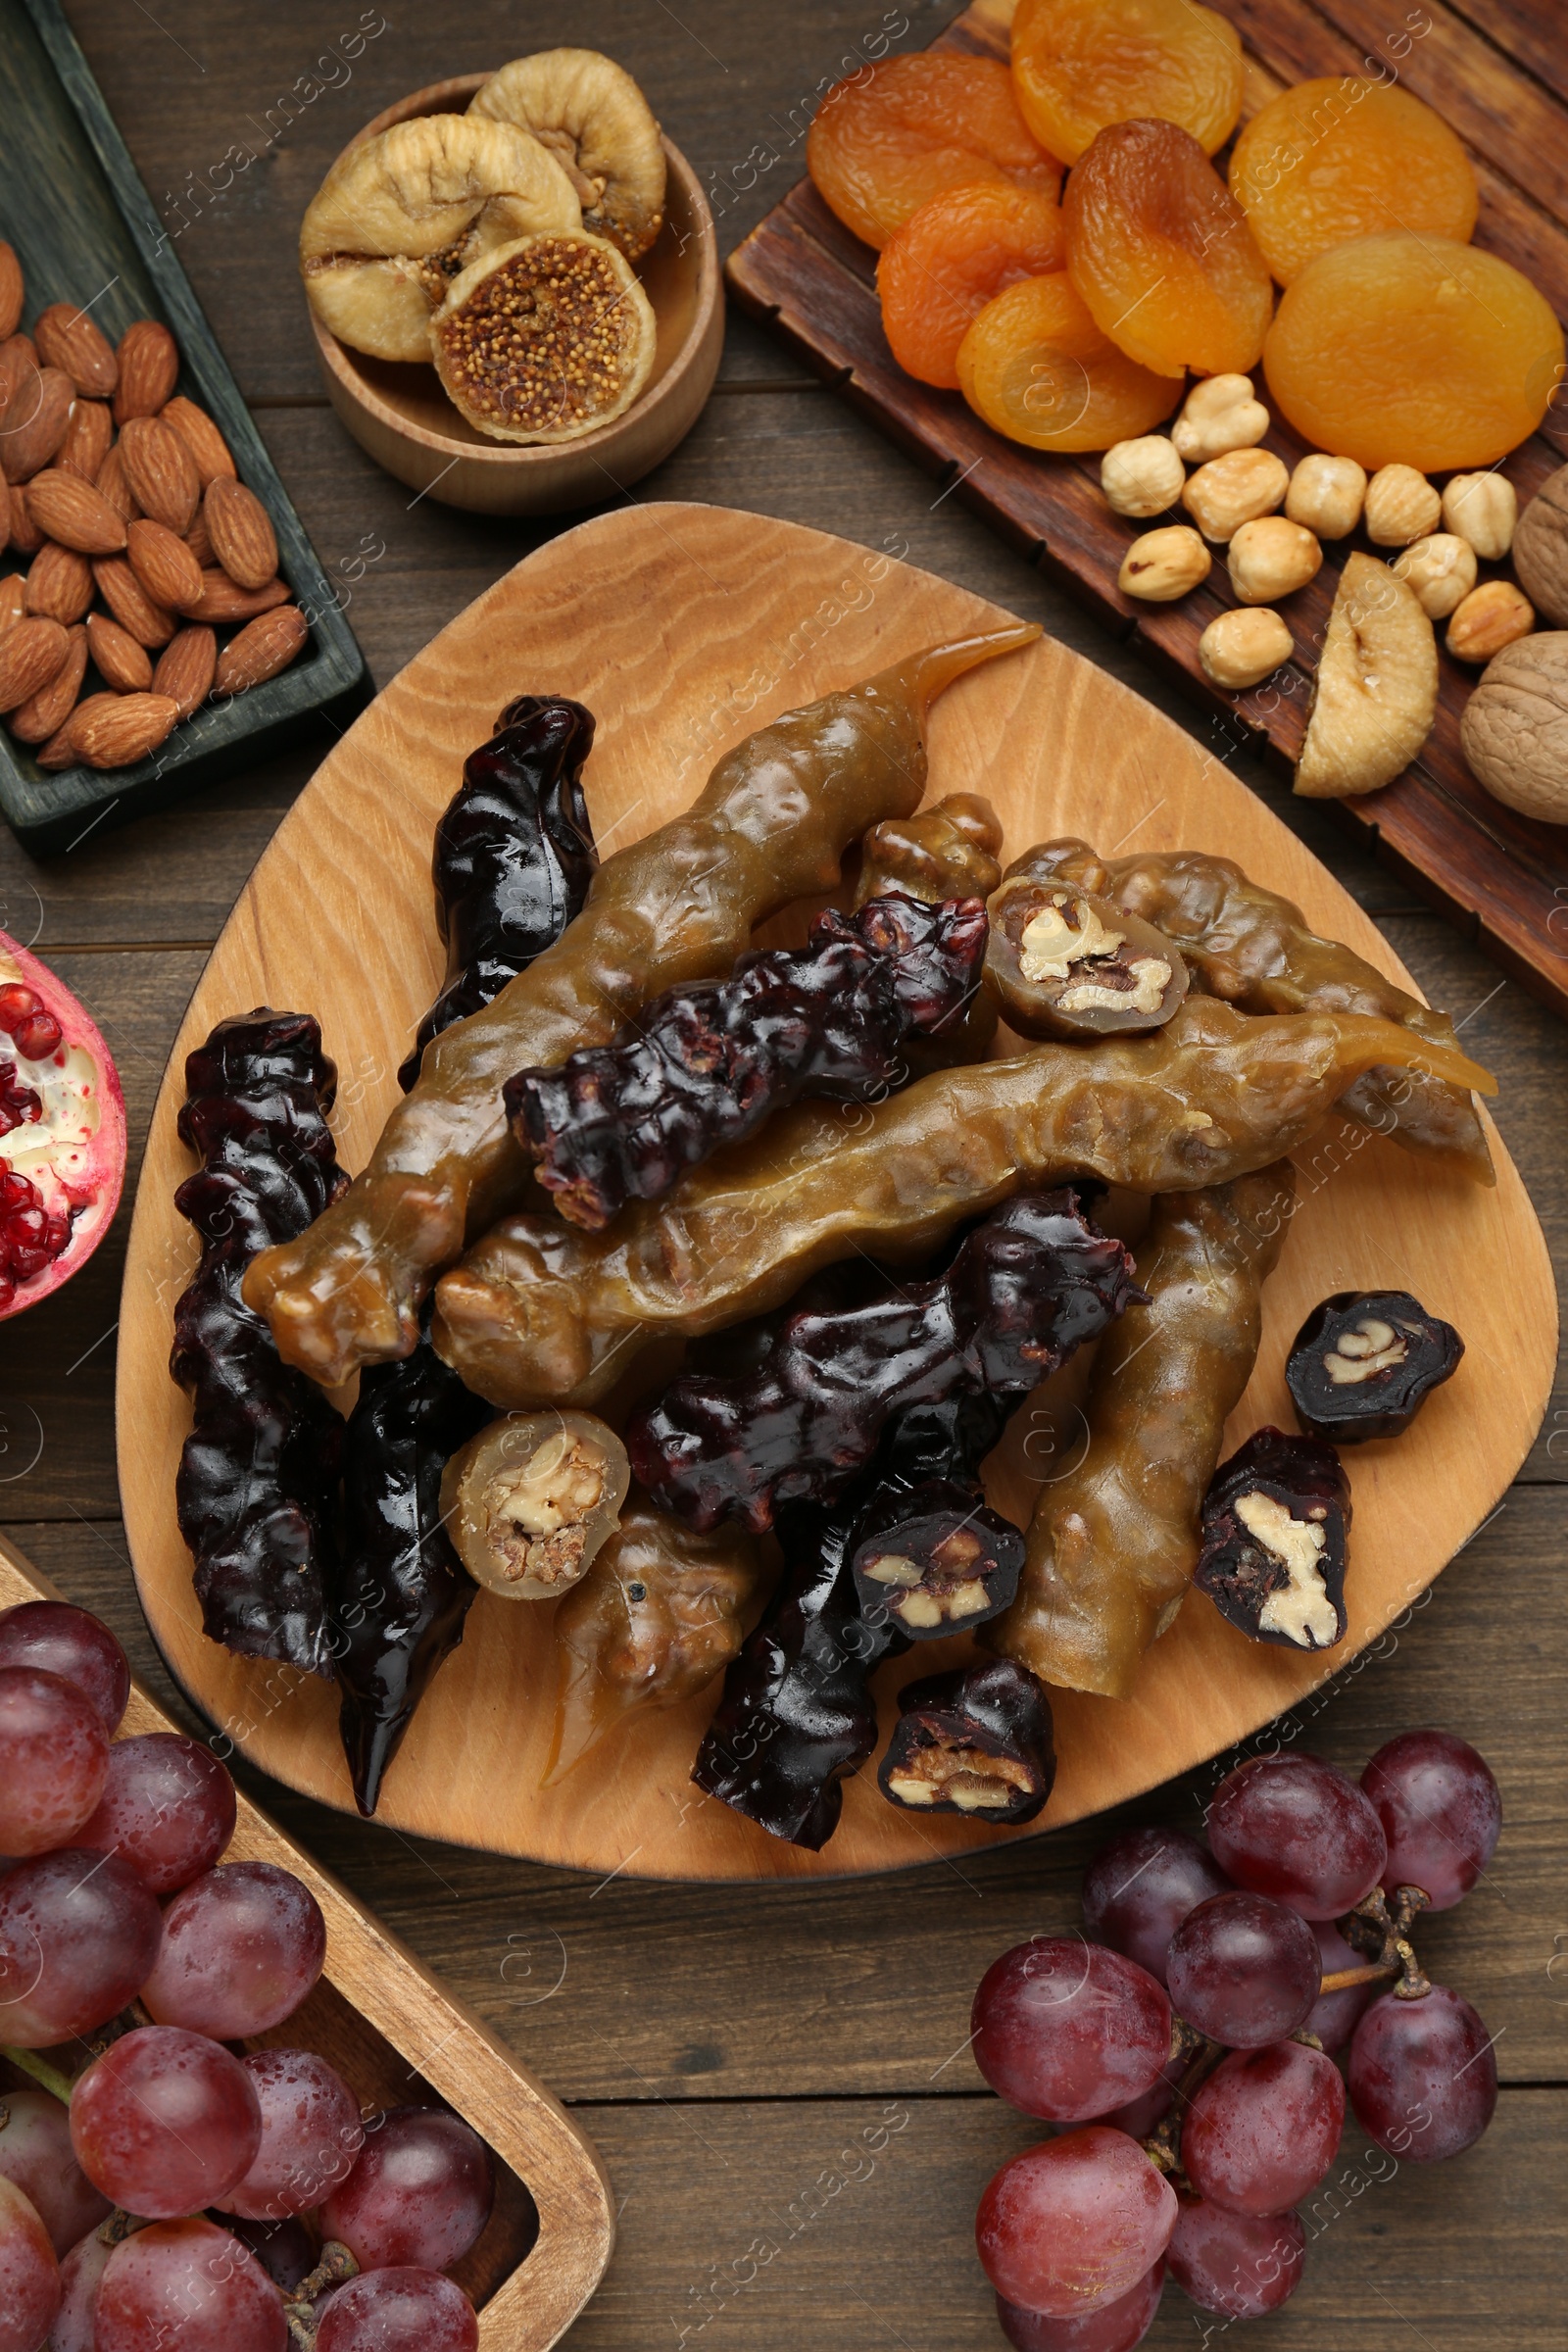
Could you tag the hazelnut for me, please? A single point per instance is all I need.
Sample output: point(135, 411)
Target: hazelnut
point(1491, 616)
point(1272, 557)
point(1143, 477)
point(1401, 505)
point(1232, 490)
point(1539, 548)
point(1327, 495)
point(1164, 564)
point(1441, 568)
point(1514, 728)
point(1483, 508)
point(1220, 414)
point(1241, 649)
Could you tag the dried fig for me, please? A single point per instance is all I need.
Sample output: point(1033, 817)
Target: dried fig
point(1377, 686)
point(1515, 726)
point(596, 122)
point(546, 339)
point(397, 218)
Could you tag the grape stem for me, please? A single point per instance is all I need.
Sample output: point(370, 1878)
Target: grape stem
point(336, 2265)
point(1164, 2146)
point(41, 2070)
point(1382, 1928)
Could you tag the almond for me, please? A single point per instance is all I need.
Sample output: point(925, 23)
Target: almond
point(149, 370)
point(59, 583)
point(260, 651)
point(201, 437)
point(116, 734)
point(201, 547)
point(36, 421)
point(26, 536)
point(18, 364)
point(244, 539)
point(68, 339)
point(4, 512)
point(37, 718)
point(130, 603)
point(120, 662)
point(160, 471)
point(163, 564)
point(88, 439)
point(12, 600)
point(10, 291)
point(71, 511)
point(115, 487)
point(60, 751)
point(222, 601)
point(185, 669)
point(30, 654)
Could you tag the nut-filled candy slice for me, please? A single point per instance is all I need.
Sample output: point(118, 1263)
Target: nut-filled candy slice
point(1062, 963)
point(545, 339)
point(1276, 1520)
point(1364, 1363)
point(928, 1551)
point(530, 1500)
point(977, 1742)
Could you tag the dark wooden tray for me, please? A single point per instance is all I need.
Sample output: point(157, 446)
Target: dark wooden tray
point(1501, 878)
point(85, 231)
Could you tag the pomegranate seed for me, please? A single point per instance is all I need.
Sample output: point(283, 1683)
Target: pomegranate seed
point(7, 1290)
point(18, 1004)
point(26, 1228)
point(15, 1191)
point(40, 1036)
point(26, 1263)
point(56, 1234)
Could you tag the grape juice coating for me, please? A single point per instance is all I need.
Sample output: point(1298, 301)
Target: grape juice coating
point(167, 1809)
point(243, 1945)
point(1139, 1888)
point(401, 2309)
point(1236, 2265)
point(1069, 2030)
point(165, 2122)
point(1114, 2327)
point(30, 2275)
point(420, 2193)
point(1423, 2076)
point(66, 1640)
point(186, 2286)
point(1296, 1828)
point(79, 1934)
point(310, 2135)
point(1075, 2223)
point(1264, 2127)
point(1440, 1812)
point(54, 1758)
point(1243, 1970)
point(37, 2155)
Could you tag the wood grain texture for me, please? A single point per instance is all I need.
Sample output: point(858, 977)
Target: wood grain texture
point(756, 617)
point(396, 2033)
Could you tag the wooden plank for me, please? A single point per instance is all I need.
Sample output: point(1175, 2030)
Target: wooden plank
point(1530, 31)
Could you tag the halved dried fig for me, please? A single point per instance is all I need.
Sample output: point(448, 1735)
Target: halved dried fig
point(399, 217)
point(545, 339)
point(1377, 686)
point(1062, 963)
point(596, 122)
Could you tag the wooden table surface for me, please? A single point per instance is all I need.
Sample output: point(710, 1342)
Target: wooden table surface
point(778, 2078)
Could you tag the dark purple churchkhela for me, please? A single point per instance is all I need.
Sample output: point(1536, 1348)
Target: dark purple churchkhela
point(1275, 1524)
point(1027, 1286)
point(1364, 1363)
point(256, 1483)
point(928, 1550)
point(704, 1065)
point(977, 1742)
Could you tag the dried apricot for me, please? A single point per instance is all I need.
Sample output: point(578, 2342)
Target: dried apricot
point(889, 139)
point(1343, 157)
point(1036, 366)
point(939, 269)
point(1160, 251)
point(1414, 351)
point(1078, 65)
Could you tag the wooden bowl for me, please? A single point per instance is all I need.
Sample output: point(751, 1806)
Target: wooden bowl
point(400, 416)
point(399, 2038)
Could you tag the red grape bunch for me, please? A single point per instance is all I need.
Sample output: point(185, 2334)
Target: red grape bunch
point(1190, 2047)
point(173, 2196)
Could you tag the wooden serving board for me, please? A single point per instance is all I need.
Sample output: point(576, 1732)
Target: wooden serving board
point(1503, 878)
point(684, 628)
point(399, 2038)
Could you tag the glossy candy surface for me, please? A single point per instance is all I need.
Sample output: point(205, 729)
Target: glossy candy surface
point(977, 1742)
point(1274, 1536)
point(1064, 963)
point(1364, 1363)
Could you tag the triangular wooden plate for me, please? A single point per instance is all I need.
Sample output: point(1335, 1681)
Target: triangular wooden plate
point(683, 627)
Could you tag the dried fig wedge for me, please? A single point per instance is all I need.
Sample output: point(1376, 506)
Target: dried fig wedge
point(546, 339)
point(1377, 686)
point(400, 216)
point(596, 122)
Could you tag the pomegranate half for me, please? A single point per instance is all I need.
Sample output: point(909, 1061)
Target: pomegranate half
point(62, 1132)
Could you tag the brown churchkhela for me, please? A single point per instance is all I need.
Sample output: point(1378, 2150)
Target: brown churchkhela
point(769, 827)
point(1113, 1544)
point(539, 1313)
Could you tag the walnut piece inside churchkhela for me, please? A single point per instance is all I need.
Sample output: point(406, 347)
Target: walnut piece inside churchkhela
point(545, 339)
point(977, 1742)
point(1276, 1519)
point(596, 122)
point(530, 1500)
point(948, 850)
point(1063, 963)
point(927, 1550)
point(1364, 1363)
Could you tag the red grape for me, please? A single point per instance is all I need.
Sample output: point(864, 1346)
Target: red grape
point(1243, 1970)
point(243, 1945)
point(310, 2135)
point(79, 2274)
point(399, 2309)
point(1264, 2127)
point(79, 1933)
point(1441, 1811)
point(164, 2121)
point(1139, 1888)
point(420, 2193)
point(1294, 1827)
point(30, 2275)
point(1334, 2014)
point(285, 2250)
point(1114, 2327)
point(187, 2287)
point(67, 1642)
point(1239, 2265)
point(1423, 2076)
point(168, 1809)
point(1067, 2029)
point(1069, 2226)
point(54, 1761)
point(35, 2152)
point(1137, 2117)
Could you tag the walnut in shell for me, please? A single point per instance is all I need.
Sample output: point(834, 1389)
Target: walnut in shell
point(599, 127)
point(1377, 686)
point(1515, 726)
point(1541, 549)
point(546, 339)
point(401, 215)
